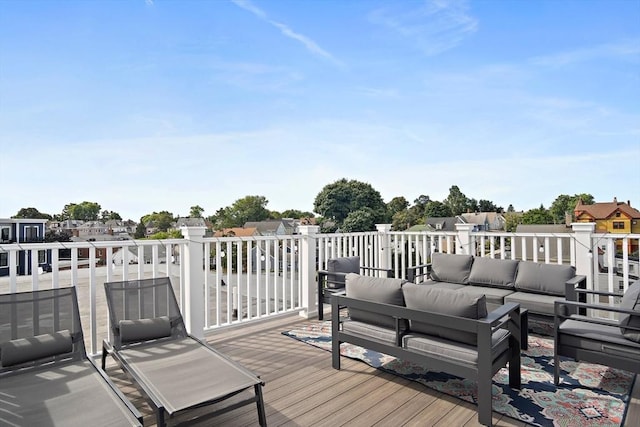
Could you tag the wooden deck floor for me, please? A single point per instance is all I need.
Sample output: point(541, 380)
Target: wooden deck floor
point(302, 389)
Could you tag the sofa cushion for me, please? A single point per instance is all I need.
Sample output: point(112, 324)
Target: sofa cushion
point(631, 301)
point(535, 303)
point(341, 265)
point(376, 289)
point(497, 273)
point(379, 333)
point(495, 296)
point(444, 349)
point(602, 338)
point(444, 301)
point(451, 267)
point(144, 329)
point(24, 350)
point(443, 285)
point(541, 278)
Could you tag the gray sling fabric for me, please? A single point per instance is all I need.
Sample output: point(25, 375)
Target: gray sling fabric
point(69, 395)
point(184, 373)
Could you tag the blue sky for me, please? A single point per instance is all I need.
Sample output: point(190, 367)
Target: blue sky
point(145, 106)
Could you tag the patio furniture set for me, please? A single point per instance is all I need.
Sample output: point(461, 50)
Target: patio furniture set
point(469, 317)
point(46, 374)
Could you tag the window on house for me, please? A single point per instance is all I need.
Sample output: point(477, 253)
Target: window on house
point(4, 259)
point(617, 214)
point(31, 233)
point(5, 234)
point(42, 257)
point(618, 225)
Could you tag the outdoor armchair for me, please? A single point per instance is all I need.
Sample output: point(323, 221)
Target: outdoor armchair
point(332, 280)
point(46, 377)
point(175, 371)
point(580, 335)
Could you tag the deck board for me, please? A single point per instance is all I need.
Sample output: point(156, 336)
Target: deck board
point(302, 389)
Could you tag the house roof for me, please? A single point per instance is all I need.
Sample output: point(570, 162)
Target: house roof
point(236, 232)
point(270, 226)
point(481, 217)
point(445, 223)
point(604, 210)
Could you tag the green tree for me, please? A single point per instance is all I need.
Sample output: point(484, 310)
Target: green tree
point(141, 231)
point(249, 208)
point(163, 220)
point(511, 208)
point(296, 214)
point(364, 219)
point(196, 211)
point(108, 215)
point(512, 219)
point(488, 206)
point(420, 204)
point(31, 213)
point(85, 211)
point(537, 216)
point(57, 236)
point(406, 218)
point(397, 204)
point(456, 201)
point(337, 200)
point(565, 203)
point(436, 209)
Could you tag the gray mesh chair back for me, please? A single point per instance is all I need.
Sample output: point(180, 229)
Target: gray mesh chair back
point(39, 327)
point(150, 299)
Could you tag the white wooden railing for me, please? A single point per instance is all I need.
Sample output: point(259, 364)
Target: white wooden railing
point(225, 281)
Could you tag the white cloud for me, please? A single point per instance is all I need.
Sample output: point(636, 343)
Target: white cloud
point(308, 43)
point(435, 27)
point(622, 50)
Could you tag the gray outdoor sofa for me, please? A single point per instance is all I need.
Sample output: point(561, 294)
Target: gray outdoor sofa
point(535, 286)
point(440, 329)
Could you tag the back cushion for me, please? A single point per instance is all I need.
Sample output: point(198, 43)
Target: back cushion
point(444, 301)
point(24, 350)
point(451, 268)
point(631, 301)
point(546, 279)
point(497, 273)
point(376, 289)
point(144, 329)
point(341, 265)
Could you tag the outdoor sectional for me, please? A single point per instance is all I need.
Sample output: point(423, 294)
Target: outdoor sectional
point(438, 328)
point(535, 286)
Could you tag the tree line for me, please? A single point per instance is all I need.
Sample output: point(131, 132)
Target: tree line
point(344, 205)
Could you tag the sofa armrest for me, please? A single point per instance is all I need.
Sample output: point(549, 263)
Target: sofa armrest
point(422, 270)
point(502, 311)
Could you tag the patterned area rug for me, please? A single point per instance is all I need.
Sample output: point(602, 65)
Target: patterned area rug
point(589, 395)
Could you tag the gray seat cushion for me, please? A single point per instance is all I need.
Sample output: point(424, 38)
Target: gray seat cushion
point(602, 338)
point(144, 329)
point(444, 301)
point(379, 333)
point(443, 285)
point(498, 273)
point(376, 289)
point(444, 349)
point(341, 265)
point(541, 278)
point(535, 303)
point(24, 350)
point(631, 301)
point(451, 268)
point(495, 296)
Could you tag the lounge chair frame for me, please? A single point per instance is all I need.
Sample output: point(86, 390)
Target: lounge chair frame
point(27, 315)
point(152, 298)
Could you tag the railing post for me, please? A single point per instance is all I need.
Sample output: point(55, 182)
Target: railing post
point(193, 259)
point(308, 270)
point(466, 242)
point(384, 243)
point(582, 233)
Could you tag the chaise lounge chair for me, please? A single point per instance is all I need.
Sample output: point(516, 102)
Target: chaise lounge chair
point(177, 372)
point(46, 377)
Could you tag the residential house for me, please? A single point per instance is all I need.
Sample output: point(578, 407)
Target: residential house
point(273, 227)
point(611, 217)
point(484, 221)
point(438, 224)
point(20, 231)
